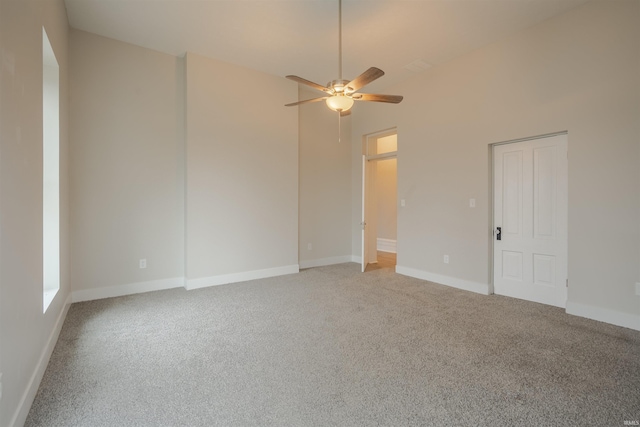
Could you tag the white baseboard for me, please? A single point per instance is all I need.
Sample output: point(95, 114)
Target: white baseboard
point(178, 282)
point(454, 282)
point(224, 279)
point(20, 415)
point(356, 259)
point(387, 245)
point(325, 261)
point(127, 289)
point(626, 320)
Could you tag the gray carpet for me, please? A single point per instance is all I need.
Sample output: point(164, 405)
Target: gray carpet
point(333, 347)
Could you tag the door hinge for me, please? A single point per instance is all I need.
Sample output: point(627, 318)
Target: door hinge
point(567, 283)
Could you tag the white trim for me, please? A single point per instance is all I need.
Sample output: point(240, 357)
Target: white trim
point(387, 245)
point(320, 262)
point(356, 259)
point(224, 279)
point(126, 289)
point(531, 138)
point(454, 282)
point(627, 320)
point(47, 298)
point(20, 415)
point(383, 156)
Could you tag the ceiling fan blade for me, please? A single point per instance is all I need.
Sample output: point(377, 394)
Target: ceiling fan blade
point(308, 83)
point(306, 101)
point(393, 99)
point(365, 78)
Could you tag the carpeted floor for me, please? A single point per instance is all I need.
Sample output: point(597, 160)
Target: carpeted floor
point(334, 347)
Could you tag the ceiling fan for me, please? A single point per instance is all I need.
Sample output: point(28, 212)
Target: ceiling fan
point(340, 94)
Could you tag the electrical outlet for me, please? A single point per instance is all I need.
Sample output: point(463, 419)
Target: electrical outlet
point(446, 259)
point(403, 203)
point(472, 203)
point(309, 246)
point(143, 263)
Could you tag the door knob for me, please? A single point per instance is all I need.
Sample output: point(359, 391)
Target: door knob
point(499, 233)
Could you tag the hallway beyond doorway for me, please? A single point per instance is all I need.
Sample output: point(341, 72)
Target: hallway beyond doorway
point(385, 260)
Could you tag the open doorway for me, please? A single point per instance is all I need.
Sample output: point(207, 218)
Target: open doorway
point(379, 215)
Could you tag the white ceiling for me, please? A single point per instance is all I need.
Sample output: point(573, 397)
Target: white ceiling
point(300, 37)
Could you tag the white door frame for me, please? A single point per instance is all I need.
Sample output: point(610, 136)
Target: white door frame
point(492, 229)
point(364, 250)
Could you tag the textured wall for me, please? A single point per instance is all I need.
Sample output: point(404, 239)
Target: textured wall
point(127, 163)
point(242, 170)
point(325, 183)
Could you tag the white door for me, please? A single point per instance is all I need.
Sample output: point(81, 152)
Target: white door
point(363, 223)
point(530, 220)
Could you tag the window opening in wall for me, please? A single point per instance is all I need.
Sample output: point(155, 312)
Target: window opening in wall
point(50, 172)
point(386, 144)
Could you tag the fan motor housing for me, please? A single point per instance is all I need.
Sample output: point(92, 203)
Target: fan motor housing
point(339, 86)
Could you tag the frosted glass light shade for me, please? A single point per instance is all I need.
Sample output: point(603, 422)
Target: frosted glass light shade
point(339, 103)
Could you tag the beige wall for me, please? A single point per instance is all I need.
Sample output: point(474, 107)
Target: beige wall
point(26, 334)
point(386, 198)
point(127, 176)
point(242, 172)
point(198, 178)
point(577, 72)
point(325, 184)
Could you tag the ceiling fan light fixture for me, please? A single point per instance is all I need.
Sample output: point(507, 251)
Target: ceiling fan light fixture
point(340, 94)
point(339, 103)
